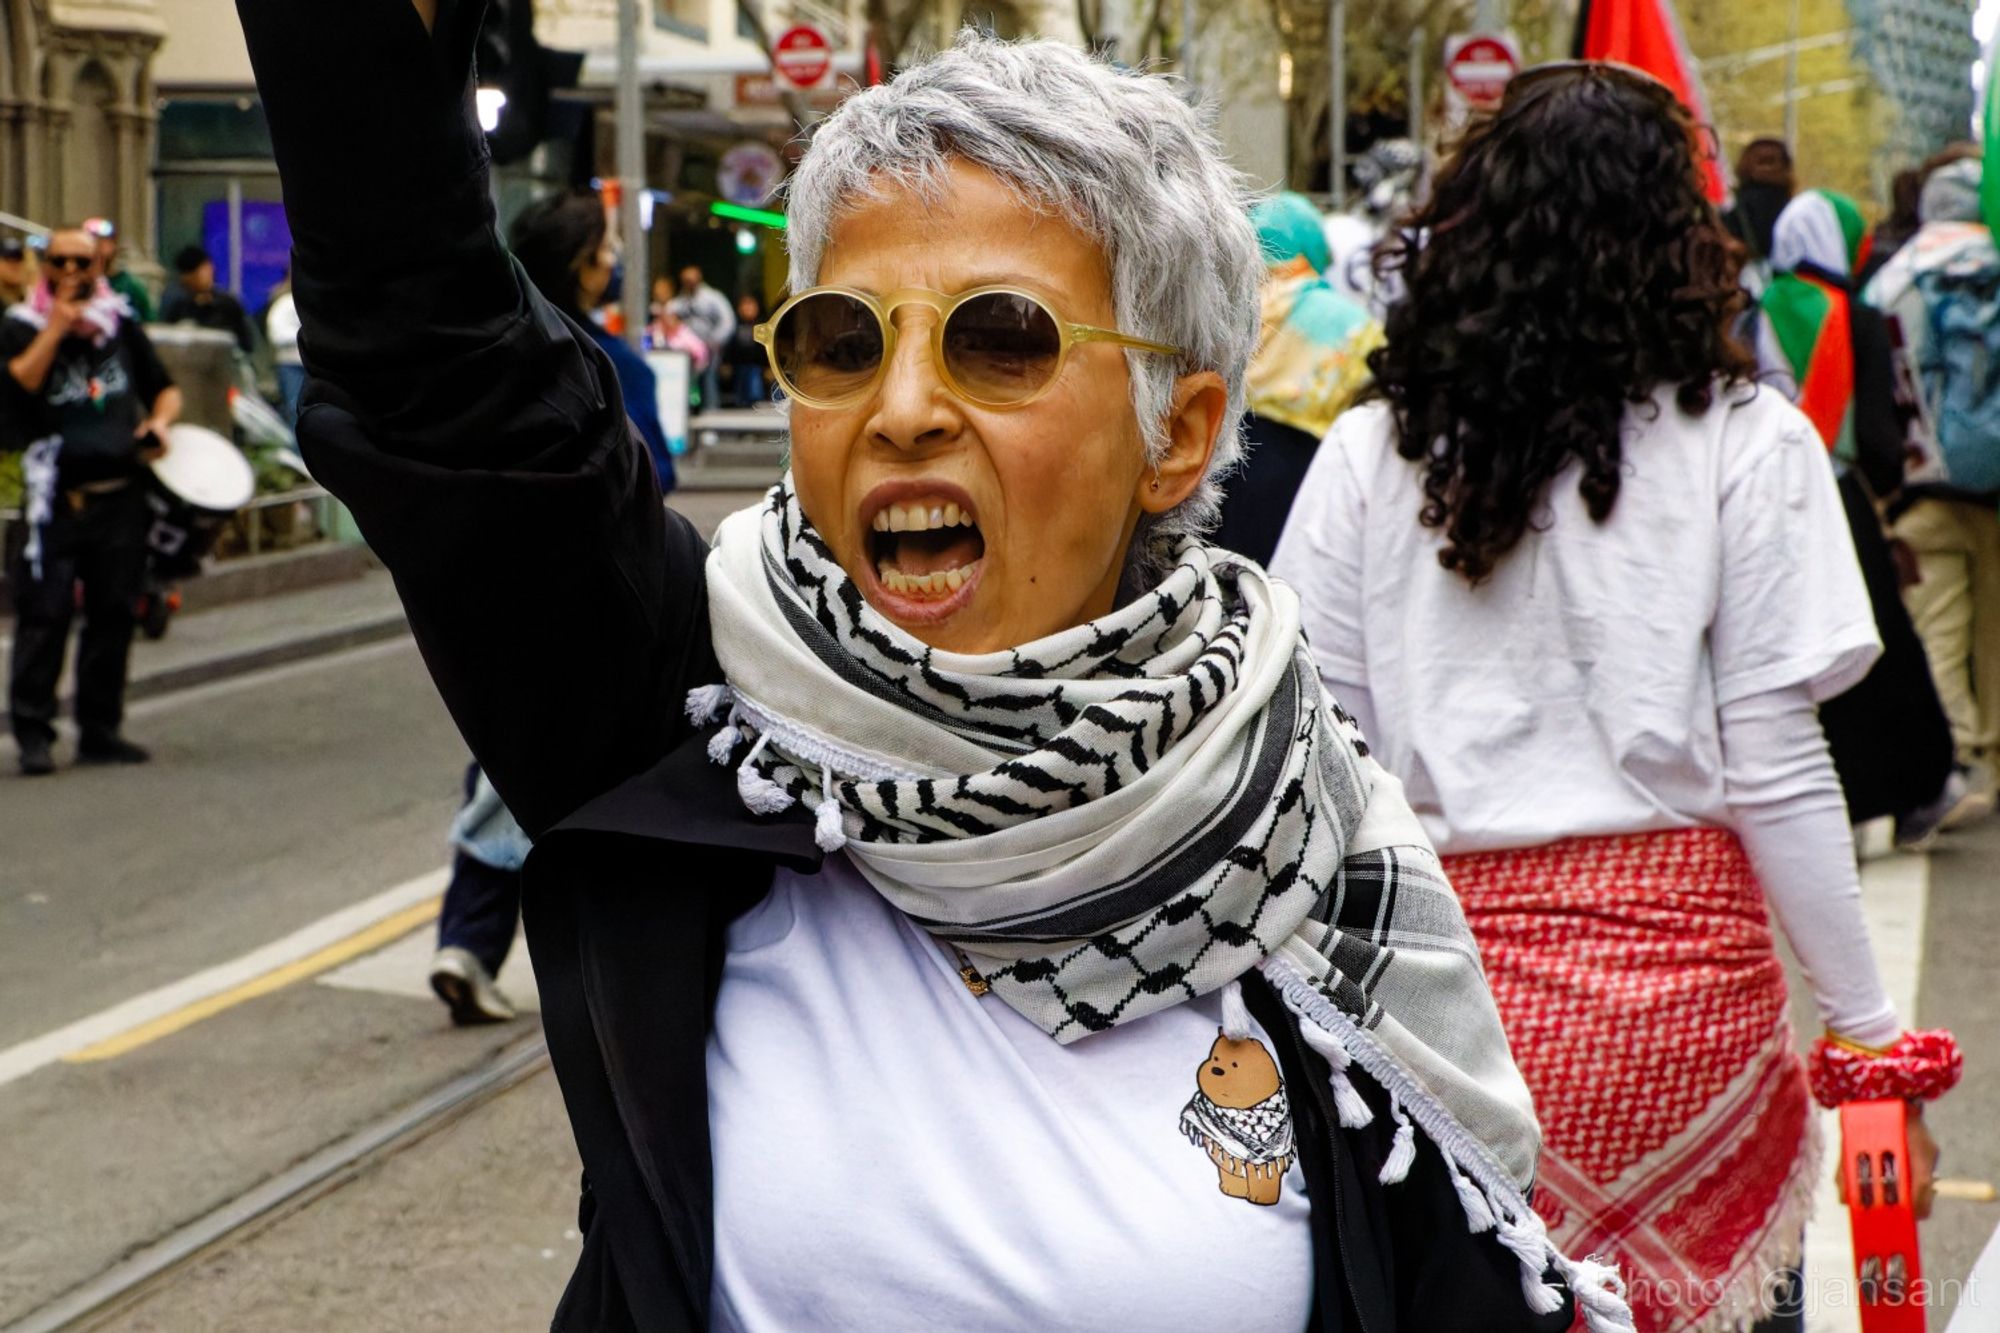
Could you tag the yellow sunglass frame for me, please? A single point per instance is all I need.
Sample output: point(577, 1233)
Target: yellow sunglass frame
point(884, 308)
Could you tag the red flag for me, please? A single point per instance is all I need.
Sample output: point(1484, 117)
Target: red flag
point(1645, 35)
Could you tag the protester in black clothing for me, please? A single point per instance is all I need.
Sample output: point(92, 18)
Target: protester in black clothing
point(1765, 183)
point(743, 358)
point(86, 398)
point(196, 299)
point(581, 633)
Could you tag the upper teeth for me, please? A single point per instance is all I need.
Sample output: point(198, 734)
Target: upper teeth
point(921, 517)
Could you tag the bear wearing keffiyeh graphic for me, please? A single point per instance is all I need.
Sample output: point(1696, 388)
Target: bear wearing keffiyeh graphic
point(1240, 1117)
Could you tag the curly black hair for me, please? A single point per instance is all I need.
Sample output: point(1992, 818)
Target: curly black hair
point(1567, 264)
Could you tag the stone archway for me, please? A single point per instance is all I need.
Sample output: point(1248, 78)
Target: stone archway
point(92, 168)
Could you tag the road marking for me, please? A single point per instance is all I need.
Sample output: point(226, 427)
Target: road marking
point(319, 938)
point(333, 955)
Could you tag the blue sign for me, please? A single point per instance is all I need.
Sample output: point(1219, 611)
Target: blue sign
point(267, 247)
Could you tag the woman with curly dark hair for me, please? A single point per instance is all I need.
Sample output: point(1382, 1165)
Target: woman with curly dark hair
point(1583, 582)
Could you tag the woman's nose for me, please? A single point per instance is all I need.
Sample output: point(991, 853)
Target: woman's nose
point(914, 407)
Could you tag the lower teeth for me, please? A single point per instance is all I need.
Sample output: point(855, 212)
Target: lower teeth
point(940, 584)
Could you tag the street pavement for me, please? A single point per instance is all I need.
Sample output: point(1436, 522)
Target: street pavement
point(212, 969)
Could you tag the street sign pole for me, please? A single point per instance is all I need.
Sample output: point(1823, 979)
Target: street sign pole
point(1336, 54)
point(1416, 86)
point(1187, 42)
point(631, 173)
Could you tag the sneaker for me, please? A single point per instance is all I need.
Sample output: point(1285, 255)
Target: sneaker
point(110, 750)
point(465, 985)
point(1917, 830)
point(37, 760)
point(1975, 802)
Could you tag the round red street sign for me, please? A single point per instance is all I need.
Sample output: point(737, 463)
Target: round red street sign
point(802, 56)
point(1479, 71)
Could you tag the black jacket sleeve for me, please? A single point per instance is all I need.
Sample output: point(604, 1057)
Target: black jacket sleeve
point(477, 435)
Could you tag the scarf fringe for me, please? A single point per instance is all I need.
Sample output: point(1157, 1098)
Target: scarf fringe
point(1599, 1291)
point(1403, 1152)
point(1746, 1300)
point(1348, 1104)
point(1235, 1014)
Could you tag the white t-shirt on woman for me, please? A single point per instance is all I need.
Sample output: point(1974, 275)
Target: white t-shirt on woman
point(1591, 667)
point(893, 1153)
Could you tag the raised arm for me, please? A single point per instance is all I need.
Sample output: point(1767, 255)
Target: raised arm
point(475, 433)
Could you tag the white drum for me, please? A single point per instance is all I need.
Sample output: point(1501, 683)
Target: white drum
point(198, 485)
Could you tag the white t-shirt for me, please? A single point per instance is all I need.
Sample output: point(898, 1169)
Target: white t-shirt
point(892, 1152)
point(1591, 665)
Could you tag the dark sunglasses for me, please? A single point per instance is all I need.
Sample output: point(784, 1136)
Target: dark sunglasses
point(995, 346)
point(69, 263)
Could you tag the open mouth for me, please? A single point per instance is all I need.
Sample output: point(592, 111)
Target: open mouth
point(926, 549)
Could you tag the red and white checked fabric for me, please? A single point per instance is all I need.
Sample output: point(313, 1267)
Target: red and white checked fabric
point(1645, 1005)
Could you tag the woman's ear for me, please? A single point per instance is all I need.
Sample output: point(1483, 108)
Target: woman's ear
point(1193, 421)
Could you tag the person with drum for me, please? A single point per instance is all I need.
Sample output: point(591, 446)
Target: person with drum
point(87, 401)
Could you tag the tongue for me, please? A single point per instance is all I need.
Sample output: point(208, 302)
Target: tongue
point(936, 550)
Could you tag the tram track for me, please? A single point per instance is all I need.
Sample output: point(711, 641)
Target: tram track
point(92, 1304)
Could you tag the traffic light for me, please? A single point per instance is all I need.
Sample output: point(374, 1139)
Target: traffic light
point(508, 60)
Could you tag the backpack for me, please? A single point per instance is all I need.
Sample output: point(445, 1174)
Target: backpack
point(1959, 369)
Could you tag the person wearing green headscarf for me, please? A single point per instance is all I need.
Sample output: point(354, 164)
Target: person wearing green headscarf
point(1820, 344)
point(1310, 365)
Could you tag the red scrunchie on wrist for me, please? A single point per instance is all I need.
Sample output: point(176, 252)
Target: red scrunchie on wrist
point(1920, 1066)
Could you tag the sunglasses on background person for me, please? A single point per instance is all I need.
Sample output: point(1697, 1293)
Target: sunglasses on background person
point(68, 263)
point(993, 346)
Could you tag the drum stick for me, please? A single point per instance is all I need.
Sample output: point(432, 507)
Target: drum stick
point(1967, 1191)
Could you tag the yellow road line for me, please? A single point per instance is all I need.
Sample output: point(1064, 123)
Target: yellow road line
point(367, 940)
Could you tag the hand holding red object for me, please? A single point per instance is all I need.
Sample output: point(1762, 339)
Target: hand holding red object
point(1920, 1066)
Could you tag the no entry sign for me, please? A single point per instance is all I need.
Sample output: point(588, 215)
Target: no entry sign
point(802, 56)
point(1477, 67)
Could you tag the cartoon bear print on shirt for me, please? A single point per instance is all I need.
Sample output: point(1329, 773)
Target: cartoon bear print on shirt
point(1240, 1117)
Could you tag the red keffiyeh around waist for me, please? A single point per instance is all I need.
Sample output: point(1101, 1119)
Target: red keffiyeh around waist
point(1646, 1006)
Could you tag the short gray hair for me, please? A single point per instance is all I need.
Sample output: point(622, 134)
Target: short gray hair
point(1123, 158)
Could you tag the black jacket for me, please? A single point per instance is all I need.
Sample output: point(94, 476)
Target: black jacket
point(478, 437)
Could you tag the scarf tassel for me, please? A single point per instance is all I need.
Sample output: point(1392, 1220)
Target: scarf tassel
point(759, 794)
point(1402, 1152)
point(709, 703)
point(1478, 1212)
point(829, 825)
point(1354, 1112)
point(1235, 1014)
point(1530, 1245)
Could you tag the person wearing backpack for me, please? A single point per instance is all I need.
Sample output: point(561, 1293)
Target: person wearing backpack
point(1942, 293)
point(1833, 356)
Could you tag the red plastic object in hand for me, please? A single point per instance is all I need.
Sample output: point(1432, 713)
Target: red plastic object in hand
point(1875, 1180)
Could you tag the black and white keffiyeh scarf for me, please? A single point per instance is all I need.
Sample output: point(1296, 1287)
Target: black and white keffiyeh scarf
point(1128, 814)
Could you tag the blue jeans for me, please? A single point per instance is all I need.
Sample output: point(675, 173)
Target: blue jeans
point(291, 383)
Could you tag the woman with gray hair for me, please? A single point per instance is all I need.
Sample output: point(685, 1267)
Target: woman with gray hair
point(953, 898)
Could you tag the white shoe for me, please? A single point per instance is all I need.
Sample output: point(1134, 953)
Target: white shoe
point(464, 984)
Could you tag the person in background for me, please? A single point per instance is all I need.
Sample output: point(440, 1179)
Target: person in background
point(85, 399)
point(670, 334)
point(1311, 362)
point(195, 299)
point(1581, 584)
point(1905, 209)
point(1940, 292)
point(1765, 183)
point(745, 359)
point(121, 280)
point(1820, 346)
point(707, 312)
point(566, 247)
point(13, 270)
point(281, 330)
point(482, 906)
